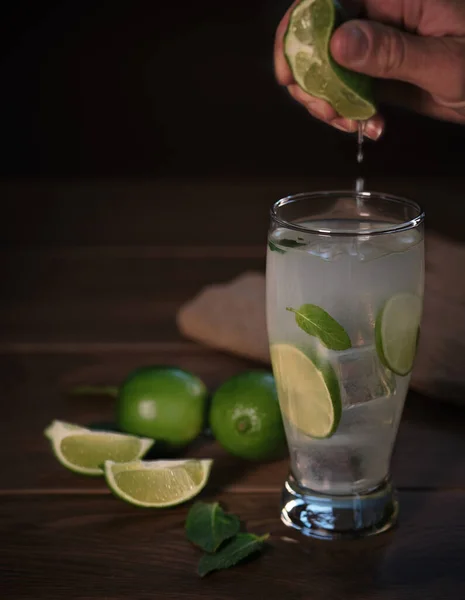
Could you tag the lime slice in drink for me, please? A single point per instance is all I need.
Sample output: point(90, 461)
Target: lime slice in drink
point(84, 451)
point(396, 331)
point(306, 47)
point(308, 391)
point(158, 483)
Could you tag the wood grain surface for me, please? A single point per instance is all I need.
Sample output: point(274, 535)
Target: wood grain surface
point(77, 310)
point(93, 547)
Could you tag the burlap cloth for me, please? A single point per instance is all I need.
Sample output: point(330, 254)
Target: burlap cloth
point(231, 317)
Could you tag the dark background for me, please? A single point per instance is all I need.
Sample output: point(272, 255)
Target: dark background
point(149, 89)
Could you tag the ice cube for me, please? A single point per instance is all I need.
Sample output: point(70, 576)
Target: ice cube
point(362, 376)
point(371, 248)
point(328, 250)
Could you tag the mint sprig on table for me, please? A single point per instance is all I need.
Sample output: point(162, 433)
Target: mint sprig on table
point(217, 533)
point(315, 321)
point(241, 546)
point(208, 526)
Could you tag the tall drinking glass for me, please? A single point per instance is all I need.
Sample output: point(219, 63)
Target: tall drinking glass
point(345, 275)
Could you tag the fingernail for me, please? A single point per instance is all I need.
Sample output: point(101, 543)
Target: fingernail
point(373, 130)
point(344, 125)
point(340, 127)
point(356, 43)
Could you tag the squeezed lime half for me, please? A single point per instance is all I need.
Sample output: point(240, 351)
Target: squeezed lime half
point(306, 47)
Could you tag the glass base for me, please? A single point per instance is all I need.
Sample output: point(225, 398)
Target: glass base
point(339, 517)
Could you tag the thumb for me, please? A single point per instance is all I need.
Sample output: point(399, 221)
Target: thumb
point(388, 53)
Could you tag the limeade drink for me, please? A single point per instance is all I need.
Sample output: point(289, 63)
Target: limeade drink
point(343, 314)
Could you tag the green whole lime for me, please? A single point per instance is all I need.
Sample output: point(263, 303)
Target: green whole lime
point(245, 417)
point(164, 403)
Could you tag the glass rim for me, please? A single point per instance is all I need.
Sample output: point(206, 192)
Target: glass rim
point(390, 228)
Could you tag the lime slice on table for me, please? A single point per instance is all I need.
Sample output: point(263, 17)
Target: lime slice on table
point(396, 331)
point(84, 451)
point(308, 391)
point(306, 47)
point(158, 483)
point(54, 425)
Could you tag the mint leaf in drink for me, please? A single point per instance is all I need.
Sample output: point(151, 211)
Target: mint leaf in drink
point(286, 243)
point(240, 547)
point(291, 243)
point(317, 322)
point(208, 526)
point(275, 248)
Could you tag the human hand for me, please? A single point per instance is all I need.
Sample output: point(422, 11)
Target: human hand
point(417, 49)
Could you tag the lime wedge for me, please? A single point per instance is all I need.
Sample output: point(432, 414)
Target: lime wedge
point(60, 425)
point(158, 483)
point(306, 47)
point(396, 331)
point(308, 391)
point(84, 451)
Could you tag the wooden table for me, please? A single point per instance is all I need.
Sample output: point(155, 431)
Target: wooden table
point(88, 311)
